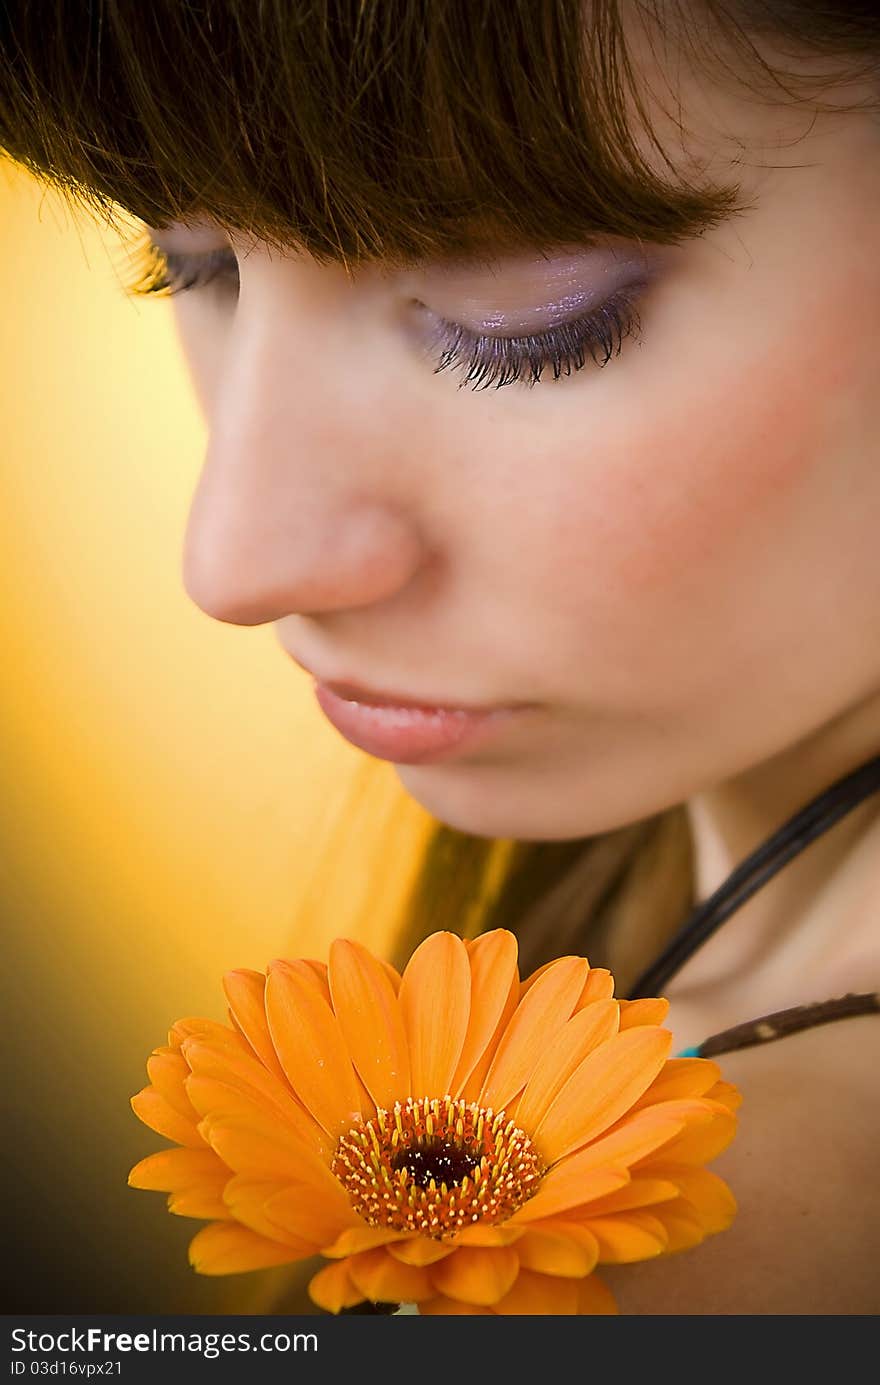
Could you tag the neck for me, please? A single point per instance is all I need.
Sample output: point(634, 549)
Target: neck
point(813, 924)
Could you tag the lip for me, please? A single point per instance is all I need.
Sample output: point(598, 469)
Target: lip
point(370, 697)
point(404, 731)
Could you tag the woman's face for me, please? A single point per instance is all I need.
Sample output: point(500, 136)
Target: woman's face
point(675, 555)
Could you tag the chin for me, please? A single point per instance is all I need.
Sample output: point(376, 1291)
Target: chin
point(490, 802)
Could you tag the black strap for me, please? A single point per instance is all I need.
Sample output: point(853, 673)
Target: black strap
point(784, 1022)
point(763, 863)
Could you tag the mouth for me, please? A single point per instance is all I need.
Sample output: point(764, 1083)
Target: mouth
point(406, 728)
point(407, 732)
point(370, 697)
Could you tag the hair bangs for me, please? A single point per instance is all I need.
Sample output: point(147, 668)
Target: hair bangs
point(392, 130)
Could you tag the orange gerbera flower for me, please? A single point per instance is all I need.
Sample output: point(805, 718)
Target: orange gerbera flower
point(455, 1137)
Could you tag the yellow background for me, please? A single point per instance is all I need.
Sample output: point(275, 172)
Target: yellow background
point(174, 804)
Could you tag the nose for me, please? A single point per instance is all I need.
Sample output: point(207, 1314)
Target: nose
point(299, 507)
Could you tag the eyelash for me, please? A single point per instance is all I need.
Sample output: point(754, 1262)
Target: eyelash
point(489, 360)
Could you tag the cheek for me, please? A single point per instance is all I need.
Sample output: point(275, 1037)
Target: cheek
point(701, 496)
point(709, 486)
point(685, 541)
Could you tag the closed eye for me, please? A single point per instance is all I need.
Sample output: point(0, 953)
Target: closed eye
point(500, 360)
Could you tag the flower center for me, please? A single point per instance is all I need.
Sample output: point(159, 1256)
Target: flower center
point(437, 1160)
point(435, 1166)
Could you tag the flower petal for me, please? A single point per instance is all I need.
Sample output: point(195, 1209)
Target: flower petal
point(627, 1145)
point(595, 1298)
point(471, 1088)
point(263, 1149)
point(554, 1251)
point(227, 1248)
point(266, 1208)
point(539, 1295)
point(475, 1275)
point(170, 1170)
point(598, 1169)
point(167, 1072)
point(208, 1060)
point(370, 1019)
point(420, 1250)
point(246, 1200)
point(494, 977)
point(628, 1237)
point(448, 1307)
point(726, 1094)
point(246, 993)
point(204, 1200)
point(332, 1289)
point(392, 973)
point(382, 1279)
point(324, 1201)
point(435, 1000)
point(482, 1234)
point(212, 1098)
point(536, 1020)
point(314, 1215)
point(708, 1194)
point(318, 977)
point(568, 1186)
point(602, 1089)
point(311, 1049)
point(680, 1077)
point(639, 1192)
point(599, 985)
point(206, 1029)
point(700, 1141)
point(357, 1238)
point(688, 1110)
point(151, 1107)
point(529, 981)
point(585, 1030)
point(681, 1225)
point(647, 1010)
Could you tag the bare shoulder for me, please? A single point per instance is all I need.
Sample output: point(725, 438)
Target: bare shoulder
point(803, 1169)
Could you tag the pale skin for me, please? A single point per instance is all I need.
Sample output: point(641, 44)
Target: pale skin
point(675, 556)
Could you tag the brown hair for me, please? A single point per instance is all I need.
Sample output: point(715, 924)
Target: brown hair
point(396, 130)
